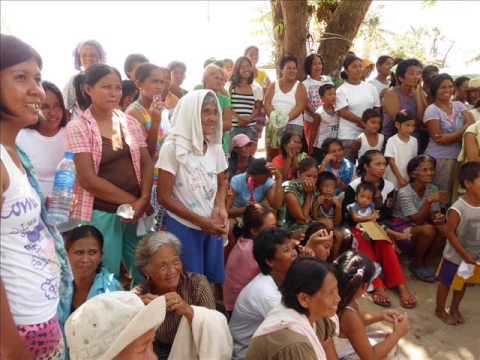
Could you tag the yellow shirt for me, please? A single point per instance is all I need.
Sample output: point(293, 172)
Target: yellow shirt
point(262, 78)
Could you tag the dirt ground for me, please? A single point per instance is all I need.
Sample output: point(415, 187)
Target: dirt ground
point(429, 337)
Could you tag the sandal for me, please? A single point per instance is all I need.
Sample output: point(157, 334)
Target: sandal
point(409, 301)
point(381, 299)
point(423, 274)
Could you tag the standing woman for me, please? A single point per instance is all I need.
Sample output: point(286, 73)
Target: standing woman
point(354, 96)
point(260, 76)
point(285, 99)
point(35, 277)
point(446, 121)
point(85, 55)
point(246, 99)
point(313, 66)
point(382, 82)
point(48, 135)
point(371, 167)
point(153, 83)
point(194, 183)
point(113, 168)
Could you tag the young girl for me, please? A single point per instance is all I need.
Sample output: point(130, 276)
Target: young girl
point(400, 149)
point(370, 139)
point(463, 234)
point(319, 239)
point(354, 274)
point(241, 267)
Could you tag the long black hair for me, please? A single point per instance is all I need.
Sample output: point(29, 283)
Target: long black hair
point(97, 72)
point(353, 271)
point(253, 219)
point(235, 80)
point(365, 160)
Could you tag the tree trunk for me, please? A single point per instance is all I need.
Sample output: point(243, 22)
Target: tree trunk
point(295, 17)
point(278, 30)
point(341, 31)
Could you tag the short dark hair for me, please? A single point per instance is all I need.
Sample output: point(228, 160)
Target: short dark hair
point(469, 172)
point(265, 247)
point(366, 186)
point(403, 116)
point(143, 71)
point(81, 232)
point(429, 71)
point(306, 275)
point(306, 164)
point(96, 45)
point(325, 176)
point(437, 82)
point(132, 60)
point(383, 59)
point(258, 166)
point(128, 88)
point(324, 88)
point(414, 163)
point(370, 113)
point(460, 80)
point(346, 63)
point(176, 64)
point(353, 271)
point(286, 59)
point(251, 47)
point(403, 66)
point(307, 64)
point(312, 229)
point(253, 219)
point(326, 145)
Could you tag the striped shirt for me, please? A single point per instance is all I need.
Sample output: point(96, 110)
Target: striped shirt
point(243, 105)
point(194, 290)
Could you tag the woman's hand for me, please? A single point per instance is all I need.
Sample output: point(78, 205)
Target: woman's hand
point(147, 298)
point(402, 326)
point(210, 228)
point(391, 315)
point(156, 108)
point(309, 185)
point(438, 218)
point(328, 159)
point(276, 173)
point(470, 259)
point(139, 207)
point(176, 304)
point(220, 217)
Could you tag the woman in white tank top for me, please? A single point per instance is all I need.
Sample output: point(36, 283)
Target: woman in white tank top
point(287, 97)
point(34, 272)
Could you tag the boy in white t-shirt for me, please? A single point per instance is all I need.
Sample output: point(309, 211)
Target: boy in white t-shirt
point(325, 124)
point(400, 149)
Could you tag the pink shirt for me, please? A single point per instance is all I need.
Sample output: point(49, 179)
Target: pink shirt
point(240, 269)
point(83, 136)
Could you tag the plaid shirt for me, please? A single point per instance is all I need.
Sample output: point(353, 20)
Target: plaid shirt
point(83, 136)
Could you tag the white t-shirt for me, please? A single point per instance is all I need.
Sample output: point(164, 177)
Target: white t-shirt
point(357, 98)
point(378, 85)
point(29, 267)
point(312, 86)
point(251, 308)
point(45, 152)
point(196, 180)
point(402, 152)
point(328, 127)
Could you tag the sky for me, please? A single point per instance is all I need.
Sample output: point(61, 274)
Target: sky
point(192, 31)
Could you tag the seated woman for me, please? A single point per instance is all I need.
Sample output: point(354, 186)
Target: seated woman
point(84, 245)
point(417, 211)
point(299, 327)
point(336, 163)
point(354, 273)
point(241, 156)
point(319, 240)
point(371, 168)
point(241, 266)
point(300, 195)
point(255, 185)
point(158, 258)
point(291, 154)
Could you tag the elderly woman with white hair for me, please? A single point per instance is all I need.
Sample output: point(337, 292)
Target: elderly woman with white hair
point(158, 258)
point(192, 183)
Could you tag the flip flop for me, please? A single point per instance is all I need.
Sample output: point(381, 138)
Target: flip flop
point(404, 301)
point(422, 273)
point(381, 300)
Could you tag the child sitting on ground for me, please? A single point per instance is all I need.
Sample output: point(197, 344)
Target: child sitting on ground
point(401, 148)
point(354, 274)
point(463, 235)
point(319, 239)
point(371, 138)
point(327, 208)
point(363, 210)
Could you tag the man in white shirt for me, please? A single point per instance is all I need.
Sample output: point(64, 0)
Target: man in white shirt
point(274, 254)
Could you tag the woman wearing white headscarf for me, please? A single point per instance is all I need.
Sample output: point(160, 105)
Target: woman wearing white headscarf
point(192, 183)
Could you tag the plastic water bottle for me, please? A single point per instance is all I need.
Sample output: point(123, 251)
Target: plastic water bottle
point(63, 188)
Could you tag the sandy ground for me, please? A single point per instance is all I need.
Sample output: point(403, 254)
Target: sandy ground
point(429, 337)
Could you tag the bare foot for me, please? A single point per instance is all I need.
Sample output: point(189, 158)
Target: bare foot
point(457, 316)
point(445, 317)
point(399, 236)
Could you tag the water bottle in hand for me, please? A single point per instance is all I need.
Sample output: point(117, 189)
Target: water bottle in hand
point(63, 188)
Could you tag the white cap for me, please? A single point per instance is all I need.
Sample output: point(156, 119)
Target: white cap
point(106, 324)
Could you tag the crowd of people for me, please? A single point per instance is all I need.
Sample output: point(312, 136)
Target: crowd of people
point(230, 253)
